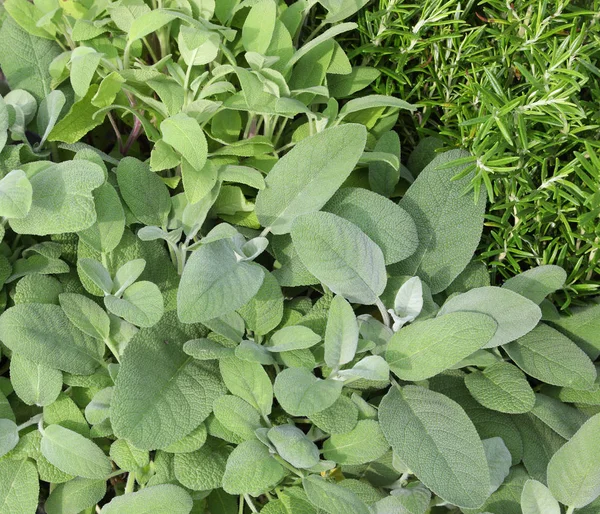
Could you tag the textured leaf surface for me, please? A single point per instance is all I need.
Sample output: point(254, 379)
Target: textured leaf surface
point(185, 135)
point(294, 446)
point(251, 469)
point(31, 329)
point(537, 499)
point(34, 383)
point(305, 178)
point(161, 394)
point(73, 453)
point(26, 58)
point(449, 223)
point(341, 256)
point(537, 283)
point(249, 381)
point(75, 495)
point(19, 487)
point(435, 438)
point(574, 470)
point(341, 333)
point(300, 393)
point(202, 469)
point(549, 356)
point(265, 310)
point(331, 497)
point(501, 387)
point(583, 327)
point(388, 225)
point(514, 314)
point(426, 348)
point(214, 283)
point(159, 498)
point(350, 448)
point(69, 207)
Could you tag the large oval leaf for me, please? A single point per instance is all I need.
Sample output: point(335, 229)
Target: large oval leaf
point(214, 283)
point(305, 178)
point(341, 256)
point(161, 394)
point(515, 314)
point(70, 207)
point(435, 438)
point(449, 223)
point(549, 356)
point(19, 486)
point(387, 224)
point(426, 348)
point(43, 334)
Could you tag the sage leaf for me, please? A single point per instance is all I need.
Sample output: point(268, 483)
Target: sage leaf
point(304, 179)
point(19, 486)
point(514, 314)
point(502, 387)
point(214, 283)
point(537, 499)
point(161, 394)
point(424, 427)
point(331, 497)
point(63, 346)
point(164, 497)
point(387, 225)
point(34, 383)
point(341, 256)
point(70, 208)
point(249, 381)
point(449, 223)
point(293, 446)
point(350, 448)
point(300, 393)
point(73, 453)
point(341, 333)
point(15, 195)
point(251, 469)
point(75, 495)
point(549, 356)
point(428, 347)
point(574, 470)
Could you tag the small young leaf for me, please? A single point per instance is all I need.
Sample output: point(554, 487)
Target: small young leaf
point(86, 315)
point(341, 333)
point(293, 338)
point(249, 381)
point(184, 134)
point(350, 448)
point(35, 384)
point(141, 305)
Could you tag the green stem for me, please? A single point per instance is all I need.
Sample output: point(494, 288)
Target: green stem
point(287, 465)
point(126, 54)
point(129, 485)
point(116, 473)
point(570, 510)
point(249, 502)
point(187, 77)
point(242, 503)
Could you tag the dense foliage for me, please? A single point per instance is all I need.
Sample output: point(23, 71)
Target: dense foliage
point(213, 302)
point(516, 84)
